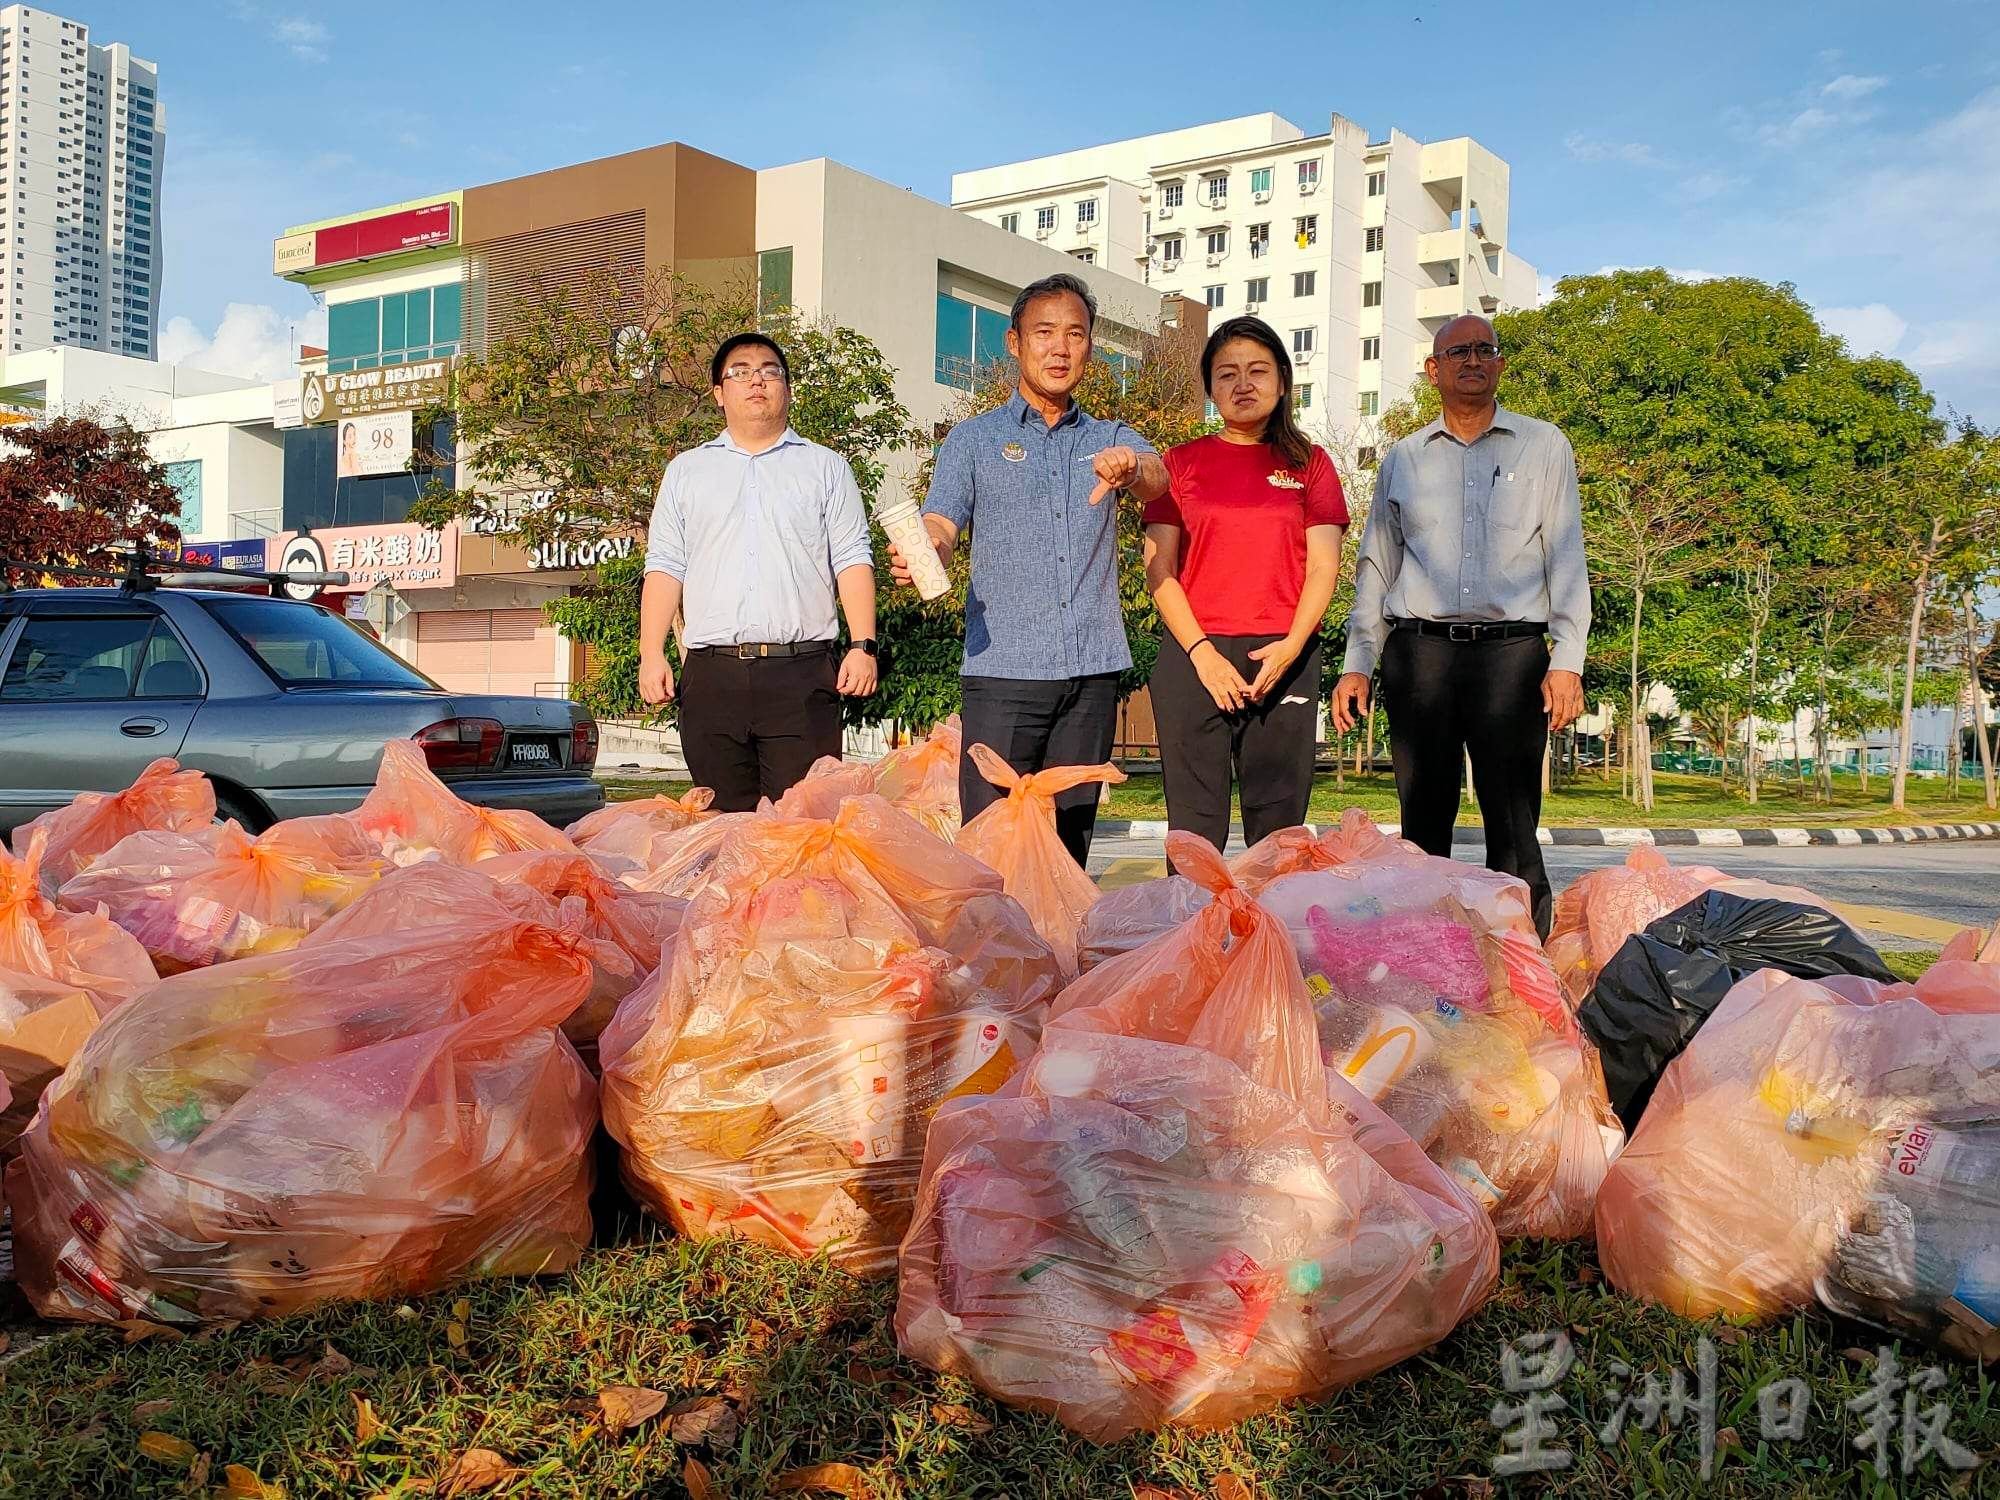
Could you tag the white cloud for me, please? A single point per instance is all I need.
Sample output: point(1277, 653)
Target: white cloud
point(253, 339)
point(1582, 147)
point(1802, 126)
point(1676, 272)
point(1875, 328)
point(1545, 289)
point(1851, 86)
point(1703, 186)
point(302, 36)
point(1957, 345)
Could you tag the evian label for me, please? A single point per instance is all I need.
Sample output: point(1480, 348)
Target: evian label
point(1921, 1152)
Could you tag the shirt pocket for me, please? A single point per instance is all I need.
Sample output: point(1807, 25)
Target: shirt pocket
point(1513, 517)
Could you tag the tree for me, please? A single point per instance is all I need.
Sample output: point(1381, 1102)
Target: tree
point(594, 387)
point(73, 490)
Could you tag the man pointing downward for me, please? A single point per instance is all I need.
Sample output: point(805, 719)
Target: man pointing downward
point(1472, 564)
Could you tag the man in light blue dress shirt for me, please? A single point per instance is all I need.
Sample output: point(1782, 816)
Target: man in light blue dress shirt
point(1044, 633)
point(754, 535)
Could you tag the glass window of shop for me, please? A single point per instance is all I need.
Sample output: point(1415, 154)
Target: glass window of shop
point(316, 496)
point(394, 330)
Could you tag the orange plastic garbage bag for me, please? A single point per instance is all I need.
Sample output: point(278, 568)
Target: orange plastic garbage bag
point(411, 815)
point(163, 798)
point(681, 860)
point(1017, 836)
point(1834, 1140)
point(921, 778)
point(375, 1118)
point(1436, 1000)
point(622, 836)
point(60, 972)
point(1176, 1214)
point(1599, 910)
point(198, 899)
point(834, 979)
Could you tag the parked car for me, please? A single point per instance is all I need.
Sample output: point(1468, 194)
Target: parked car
point(285, 706)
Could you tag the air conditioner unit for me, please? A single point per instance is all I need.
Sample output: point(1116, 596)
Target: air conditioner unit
point(1216, 257)
point(1042, 234)
point(1302, 356)
point(1166, 212)
point(1260, 197)
point(1307, 189)
point(1170, 265)
point(1252, 305)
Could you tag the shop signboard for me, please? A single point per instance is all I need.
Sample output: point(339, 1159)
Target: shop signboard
point(405, 555)
point(336, 396)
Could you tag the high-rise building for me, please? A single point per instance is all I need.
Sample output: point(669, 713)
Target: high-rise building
point(82, 137)
point(1356, 251)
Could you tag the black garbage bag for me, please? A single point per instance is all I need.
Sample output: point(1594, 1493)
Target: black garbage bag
point(1664, 982)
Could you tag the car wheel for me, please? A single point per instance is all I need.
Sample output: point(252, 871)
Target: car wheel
point(242, 810)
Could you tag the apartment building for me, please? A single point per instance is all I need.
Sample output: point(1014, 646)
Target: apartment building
point(1356, 250)
point(82, 137)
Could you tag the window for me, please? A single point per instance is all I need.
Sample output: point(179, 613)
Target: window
point(1212, 295)
point(1378, 184)
point(1304, 283)
point(302, 646)
point(1171, 247)
point(1011, 223)
point(1371, 294)
point(774, 279)
point(1260, 181)
point(1086, 212)
point(1303, 396)
point(1215, 189)
point(1045, 218)
point(1305, 230)
point(1218, 242)
point(1260, 240)
point(1303, 340)
point(1088, 257)
point(1366, 457)
point(185, 476)
point(969, 338)
point(1171, 194)
point(1371, 348)
point(80, 657)
point(1308, 175)
point(1258, 289)
point(1209, 414)
point(399, 328)
point(1371, 403)
point(1371, 239)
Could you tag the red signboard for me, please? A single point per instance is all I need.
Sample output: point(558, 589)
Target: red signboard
point(385, 234)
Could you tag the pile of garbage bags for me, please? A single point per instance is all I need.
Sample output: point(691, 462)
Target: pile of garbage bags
point(921, 778)
point(1833, 1140)
point(370, 1118)
point(163, 799)
point(1663, 983)
point(411, 815)
point(623, 836)
point(1017, 837)
point(1177, 1213)
point(839, 973)
point(60, 973)
point(216, 894)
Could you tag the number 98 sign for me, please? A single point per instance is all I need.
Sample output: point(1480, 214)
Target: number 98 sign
point(380, 443)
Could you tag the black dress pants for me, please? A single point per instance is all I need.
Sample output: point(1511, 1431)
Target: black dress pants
point(1447, 698)
point(1267, 749)
point(752, 728)
point(1033, 725)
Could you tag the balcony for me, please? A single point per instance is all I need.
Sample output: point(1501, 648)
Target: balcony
point(1442, 247)
point(1440, 302)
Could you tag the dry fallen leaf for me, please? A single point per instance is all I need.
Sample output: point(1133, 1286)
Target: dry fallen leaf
point(1231, 1487)
point(137, 1331)
point(960, 1416)
point(704, 1419)
point(145, 1411)
point(462, 1310)
point(694, 1474)
point(1858, 1356)
point(454, 1335)
point(1587, 1275)
point(1729, 1437)
point(366, 1423)
point(839, 1479)
point(333, 1364)
point(1730, 1334)
point(478, 1469)
point(198, 1472)
point(165, 1447)
point(209, 1332)
point(239, 1483)
point(865, 1374)
point(626, 1406)
point(1478, 1487)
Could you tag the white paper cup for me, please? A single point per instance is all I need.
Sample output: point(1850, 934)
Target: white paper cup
point(903, 524)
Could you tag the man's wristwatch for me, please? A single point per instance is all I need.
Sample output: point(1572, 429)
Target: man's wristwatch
point(865, 643)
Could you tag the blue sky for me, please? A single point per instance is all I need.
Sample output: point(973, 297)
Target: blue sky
point(1852, 149)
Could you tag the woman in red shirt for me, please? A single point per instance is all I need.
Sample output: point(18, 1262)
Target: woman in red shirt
point(1242, 554)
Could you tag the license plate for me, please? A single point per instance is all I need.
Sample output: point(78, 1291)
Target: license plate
point(533, 753)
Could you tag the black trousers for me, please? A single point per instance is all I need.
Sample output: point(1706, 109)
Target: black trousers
point(1447, 698)
point(753, 728)
point(1033, 725)
point(1267, 749)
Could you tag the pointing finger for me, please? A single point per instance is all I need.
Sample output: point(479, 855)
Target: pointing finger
point(1103, 489)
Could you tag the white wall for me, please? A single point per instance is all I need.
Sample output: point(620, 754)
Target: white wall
point(1133, 159)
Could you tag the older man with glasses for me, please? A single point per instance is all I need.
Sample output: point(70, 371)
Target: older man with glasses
point(1472, 566)
point(753, 536)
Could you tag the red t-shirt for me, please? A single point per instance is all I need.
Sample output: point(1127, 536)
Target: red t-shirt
point(1243, 517)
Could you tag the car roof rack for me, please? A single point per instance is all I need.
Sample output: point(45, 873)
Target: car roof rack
point(136, 577)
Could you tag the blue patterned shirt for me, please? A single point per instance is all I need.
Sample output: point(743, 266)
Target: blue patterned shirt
point(1043, 605)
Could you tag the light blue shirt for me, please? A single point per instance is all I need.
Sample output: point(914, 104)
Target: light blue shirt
point(1482, 531)
point(757, 539)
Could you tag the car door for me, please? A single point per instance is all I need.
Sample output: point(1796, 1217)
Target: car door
point(91, 691)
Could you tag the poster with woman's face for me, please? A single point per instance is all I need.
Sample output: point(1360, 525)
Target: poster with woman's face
point(380, 443)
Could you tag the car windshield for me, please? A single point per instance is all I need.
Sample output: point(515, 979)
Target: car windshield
point(306, 647)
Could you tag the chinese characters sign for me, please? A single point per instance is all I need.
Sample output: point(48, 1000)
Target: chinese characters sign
point(407, 555)
point(355, 393)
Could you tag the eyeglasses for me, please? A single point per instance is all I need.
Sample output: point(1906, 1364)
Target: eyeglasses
point(1458, 354)
point(744, 374)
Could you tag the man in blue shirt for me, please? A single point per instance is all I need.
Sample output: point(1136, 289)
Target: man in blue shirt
point(1044, 635)
point(752, 537)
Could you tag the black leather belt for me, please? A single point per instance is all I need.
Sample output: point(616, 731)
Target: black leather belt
point(751, 650)
point(1466, 631)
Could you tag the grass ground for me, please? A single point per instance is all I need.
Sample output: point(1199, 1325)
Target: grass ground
point(1681, 802)
point(784, 1366)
